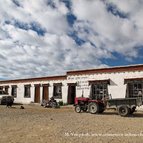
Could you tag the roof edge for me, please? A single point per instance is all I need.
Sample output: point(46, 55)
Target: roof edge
point(107, 69)
point(60, 77)
point(138, 67)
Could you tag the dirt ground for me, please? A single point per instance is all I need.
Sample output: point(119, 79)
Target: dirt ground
point(36, 124)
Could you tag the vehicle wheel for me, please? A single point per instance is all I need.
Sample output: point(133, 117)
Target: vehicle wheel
point(93, 108)
point(123, 111)
point(132, 110)
point(77, 109)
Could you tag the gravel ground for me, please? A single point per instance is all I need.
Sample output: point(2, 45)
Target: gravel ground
point(36, 124)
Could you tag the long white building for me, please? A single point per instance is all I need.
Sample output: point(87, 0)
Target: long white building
point(119, 82)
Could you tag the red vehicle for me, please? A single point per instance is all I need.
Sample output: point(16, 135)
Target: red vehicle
point(87, 104)
point(124, 106)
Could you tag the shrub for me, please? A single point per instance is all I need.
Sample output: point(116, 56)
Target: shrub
point(61, 103)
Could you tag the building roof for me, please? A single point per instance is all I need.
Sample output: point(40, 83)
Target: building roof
point(107, 70)
point(79, 72)
point(61, 77)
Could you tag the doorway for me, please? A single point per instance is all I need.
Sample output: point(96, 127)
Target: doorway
point(71, 93)
point(45, 92)
point(37, 94)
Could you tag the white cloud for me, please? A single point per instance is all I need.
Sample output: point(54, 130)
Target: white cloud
point(8, 11)
point(107, 30)
point(25, 53)
point(53, 19)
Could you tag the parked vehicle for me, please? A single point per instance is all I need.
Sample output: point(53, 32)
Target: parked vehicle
point(52, 103)
point(6, 99)
point(124, 106)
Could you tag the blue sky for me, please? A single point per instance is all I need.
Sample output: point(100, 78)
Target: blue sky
point(50, 37)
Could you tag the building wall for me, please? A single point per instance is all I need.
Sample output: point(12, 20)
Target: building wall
point(117, 88)
point(20, 90)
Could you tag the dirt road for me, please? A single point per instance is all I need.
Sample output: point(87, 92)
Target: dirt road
point(36, 124)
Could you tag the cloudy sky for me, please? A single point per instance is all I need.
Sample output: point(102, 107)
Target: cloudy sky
point(50, 37)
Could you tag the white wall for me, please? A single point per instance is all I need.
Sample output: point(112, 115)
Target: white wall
point(117, 88)
point(20, 90)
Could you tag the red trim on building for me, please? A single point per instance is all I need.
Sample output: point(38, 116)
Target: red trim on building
point(79, 72)
point(64, 77)
point(107, 70)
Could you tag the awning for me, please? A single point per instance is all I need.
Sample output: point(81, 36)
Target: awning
point(37, 85)
point(57, 84)
point(46, 84)
point(107, 81)
point(13, 86)
point(133, 80)
point(72, 84)
point(27, 85)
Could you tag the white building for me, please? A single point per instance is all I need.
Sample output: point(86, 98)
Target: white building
point(119, 82)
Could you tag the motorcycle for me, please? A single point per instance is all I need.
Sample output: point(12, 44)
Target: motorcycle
point(52, 103)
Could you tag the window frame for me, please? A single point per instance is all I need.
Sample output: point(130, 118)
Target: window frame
point(56, 88)
point(7, 89)
point(99, 90)
point(133, 89)
point(27, 91)
point(14, 91)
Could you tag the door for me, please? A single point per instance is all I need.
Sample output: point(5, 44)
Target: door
point(45, 92)
point(37, 94)
point(71, 93)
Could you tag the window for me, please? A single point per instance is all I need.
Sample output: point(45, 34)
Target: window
point(2, 92)
point(14, 90)
point(6, 89)
point(57, 93)
point(135, 89)
point(27, 91)
point(99, 90)
point(1, 87)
